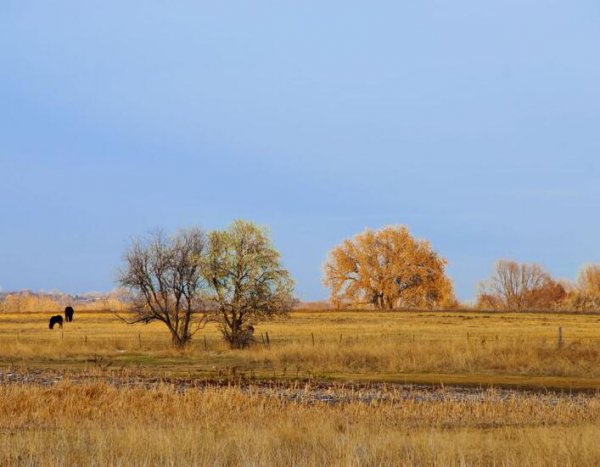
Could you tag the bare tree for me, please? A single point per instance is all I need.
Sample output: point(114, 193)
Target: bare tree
point(515, 286)
point(246, 282)
point(164, 275)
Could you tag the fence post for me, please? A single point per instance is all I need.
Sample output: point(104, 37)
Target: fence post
point(268, 341)
point(313, 338)
point(560, 337)
point(140, 340)
point(205, 344)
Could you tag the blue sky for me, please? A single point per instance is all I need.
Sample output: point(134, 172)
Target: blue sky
point(476, 124)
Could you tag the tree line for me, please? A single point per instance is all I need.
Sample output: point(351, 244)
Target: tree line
point(26, 301)
point(522, 287)
point(234, 277)
point(390, 269)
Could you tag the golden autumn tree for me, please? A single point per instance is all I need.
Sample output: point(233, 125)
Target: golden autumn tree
point(386, 269)
point(586, 294)
point(588, 280)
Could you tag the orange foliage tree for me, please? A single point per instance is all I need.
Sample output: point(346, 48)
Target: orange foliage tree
point(386, 269)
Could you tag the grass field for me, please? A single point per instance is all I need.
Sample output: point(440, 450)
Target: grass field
point(242, 420)
point(441, 347)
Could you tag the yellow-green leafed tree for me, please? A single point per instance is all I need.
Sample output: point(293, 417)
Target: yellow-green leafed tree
point(387, 269)
point(246, 282)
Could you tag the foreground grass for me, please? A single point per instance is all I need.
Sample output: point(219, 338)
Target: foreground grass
point(87, 423)
point(449, 347)
point(97, 424)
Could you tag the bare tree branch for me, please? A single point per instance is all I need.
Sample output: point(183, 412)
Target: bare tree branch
point(163, 275)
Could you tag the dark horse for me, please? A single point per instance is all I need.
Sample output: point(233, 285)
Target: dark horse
point(69, 314)
point(56, 319)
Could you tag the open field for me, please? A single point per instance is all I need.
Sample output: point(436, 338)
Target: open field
point(441, 347)
point(98, 424)
point(327, 389)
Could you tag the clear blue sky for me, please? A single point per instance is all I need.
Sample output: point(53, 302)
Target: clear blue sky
point(476, 124)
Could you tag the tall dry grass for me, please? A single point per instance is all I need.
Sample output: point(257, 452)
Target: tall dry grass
point(96, 424)
point(461, 357)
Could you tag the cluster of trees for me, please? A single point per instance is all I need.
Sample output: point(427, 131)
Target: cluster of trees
point(520, 287)
point(233, 277)
point(390, 269)
point(27, 301)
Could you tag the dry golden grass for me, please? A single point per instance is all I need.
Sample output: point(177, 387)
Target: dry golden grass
point(455, 347)
point(97, 424)
point(83, 423)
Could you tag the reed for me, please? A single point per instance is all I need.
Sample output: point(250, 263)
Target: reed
point(98, 424)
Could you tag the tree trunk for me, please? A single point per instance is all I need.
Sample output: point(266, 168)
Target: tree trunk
point(238, 336)
point(179, 341)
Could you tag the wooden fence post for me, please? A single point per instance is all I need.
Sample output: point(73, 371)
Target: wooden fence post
point(560, 337)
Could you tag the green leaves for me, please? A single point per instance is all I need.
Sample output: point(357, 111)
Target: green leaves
point(245, 279)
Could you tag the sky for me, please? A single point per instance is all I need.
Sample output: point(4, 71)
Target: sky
point(476, 124)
